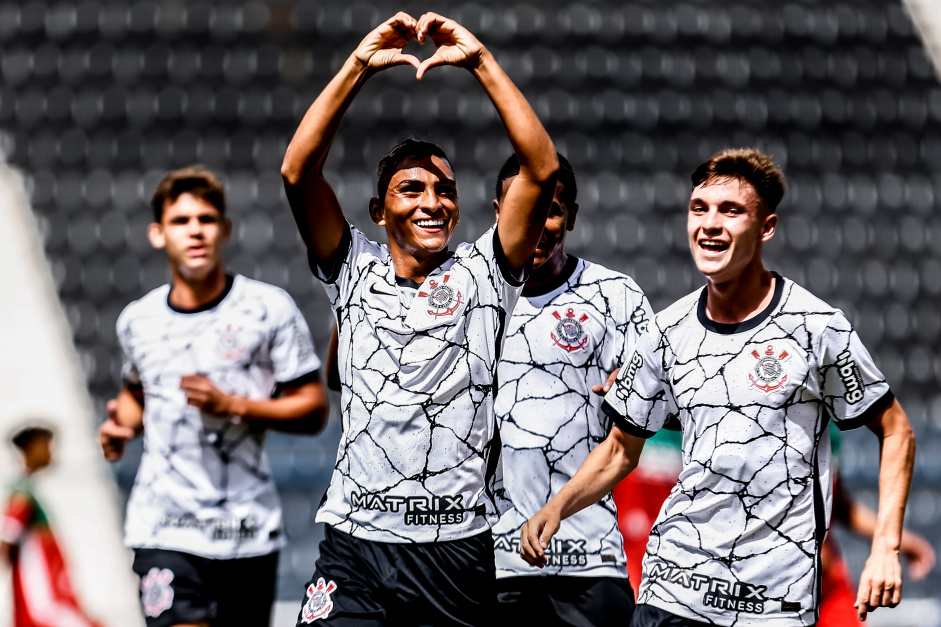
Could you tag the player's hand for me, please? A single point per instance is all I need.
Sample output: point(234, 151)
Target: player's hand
point(601, 390)
point(382, 48)
point(201, 393)
point(113, 436)
point(535, 536)
point(920, 554)
point(454, 44)
point(880, 585)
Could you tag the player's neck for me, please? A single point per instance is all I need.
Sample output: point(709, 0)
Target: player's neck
point(414, 267)
point(741, 298)
point(549, 271)
point(193, 293)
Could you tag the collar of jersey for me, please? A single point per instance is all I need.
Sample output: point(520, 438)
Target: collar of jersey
point(404, 281)
point(557, 281)
point(723, 328)
point(229, 280)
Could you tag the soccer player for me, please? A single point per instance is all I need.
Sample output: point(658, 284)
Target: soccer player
point(575, 322)
point(42, 590)
point(212, 361)
point(410, 504)
point(754, 367)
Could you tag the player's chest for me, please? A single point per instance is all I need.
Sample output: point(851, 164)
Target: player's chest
point(203, 345)
point(566, 330)
point(758, 372)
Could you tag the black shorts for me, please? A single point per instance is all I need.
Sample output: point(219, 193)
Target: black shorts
point(650, 616)
point(179, 587)
point(564, 600)
point(368, 584)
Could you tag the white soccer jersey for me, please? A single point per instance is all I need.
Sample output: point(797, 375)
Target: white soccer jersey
point(418, 455)
point(737, 541)
point(204, 485)
point(562, 339)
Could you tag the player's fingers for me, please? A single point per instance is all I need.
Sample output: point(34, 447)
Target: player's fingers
point(861, 608)
point(611, 379)
point(427, 23)
point(112, 408)
point(405, 59)
point(875, 596)
point(433, 61)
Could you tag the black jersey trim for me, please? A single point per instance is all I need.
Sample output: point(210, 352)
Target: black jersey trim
point(310, 377)
point(404, 281)
point(877, 407)
point(623, 424)
point(504, 264)
point(229, 280)
point(329, 271)
point(723, 328)
point(556, 282)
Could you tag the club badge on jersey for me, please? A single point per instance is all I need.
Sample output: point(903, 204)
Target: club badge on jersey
point(440, 299)
point(156, 593)
point(319, 604)
point(769, 373)
point(569, 333)
point(229, 347)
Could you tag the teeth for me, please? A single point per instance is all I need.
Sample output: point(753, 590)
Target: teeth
point(430, 223)
point(714, 245)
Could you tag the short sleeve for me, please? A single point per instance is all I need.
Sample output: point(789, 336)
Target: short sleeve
point(853, 389)
point(339, 274)
point(293, 356)
point(504, 280)
point(640, 315)
point(640, 401)
point(16, 518)
point(129, 372)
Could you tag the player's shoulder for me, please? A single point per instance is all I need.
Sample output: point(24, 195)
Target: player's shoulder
point(681, 310)
point(483, 245)
point(591, 272)
point(816, 313)
point(152, 303)
point(271, 297)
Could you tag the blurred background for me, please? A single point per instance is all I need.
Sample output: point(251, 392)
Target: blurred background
point(98, 98)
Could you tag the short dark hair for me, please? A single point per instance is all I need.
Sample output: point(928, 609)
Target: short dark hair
point(411, 148)
point(511, 168)
point(749, 165)
point(196, 180)
point(27, 435)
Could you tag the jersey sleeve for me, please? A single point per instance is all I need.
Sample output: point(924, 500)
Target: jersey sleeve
point(507, 283)
point(853, 389)
point(16, 518)
point(293, 356)
point(639, 316)
point(341, 273)
point(129, 372)
point(640, 401)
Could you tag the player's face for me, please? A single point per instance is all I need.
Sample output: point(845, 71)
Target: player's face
point(727, 226)
point(192, 233)
point(559, 222)
point(420, 210)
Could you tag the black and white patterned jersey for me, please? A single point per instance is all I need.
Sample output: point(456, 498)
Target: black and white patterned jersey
point(562, 339)
point(204, 485)
point(737, 541)
point(419, 455)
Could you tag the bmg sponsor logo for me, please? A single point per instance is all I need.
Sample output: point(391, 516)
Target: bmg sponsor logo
point(851, 377)
point(416, 510)
point(625, 381)
point(559, 552)
point(736, 596)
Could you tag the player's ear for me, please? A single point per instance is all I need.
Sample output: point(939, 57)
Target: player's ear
point(376, 212)
point(496, 208)
point(156, 235)
point(571, 215)
point(767, 231)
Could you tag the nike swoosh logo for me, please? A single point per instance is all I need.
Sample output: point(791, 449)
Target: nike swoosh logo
point(372, 289)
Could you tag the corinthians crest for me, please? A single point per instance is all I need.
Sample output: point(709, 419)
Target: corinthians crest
point(768, 373)
point(228, 346)
point(442, 299)
point(318, 604)
point(569, 334)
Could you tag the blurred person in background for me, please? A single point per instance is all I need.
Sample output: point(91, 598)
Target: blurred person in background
point(42, 590)
point(410, 503)
point(754, 367)
point(575, 322)
point(212, 361)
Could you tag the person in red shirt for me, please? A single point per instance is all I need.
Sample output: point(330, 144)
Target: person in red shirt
point(42, 591)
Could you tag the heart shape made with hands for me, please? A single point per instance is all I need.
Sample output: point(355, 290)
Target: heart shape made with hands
point(453, 44)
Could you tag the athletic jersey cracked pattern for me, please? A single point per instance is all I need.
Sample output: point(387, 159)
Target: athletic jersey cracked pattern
point(204, 485)
point(737, 541)
point(559, 344)
point(419, 454)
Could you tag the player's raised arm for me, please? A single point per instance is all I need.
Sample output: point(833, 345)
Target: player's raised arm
point(880, 585)
point(611, 461)
point(313, 202)
point(523, 212)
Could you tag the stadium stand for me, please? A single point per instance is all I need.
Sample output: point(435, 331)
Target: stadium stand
point(98, 98)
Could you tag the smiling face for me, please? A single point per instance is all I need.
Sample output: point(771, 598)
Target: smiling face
point(727, 223)
point(420, 209)
point(192, 232)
